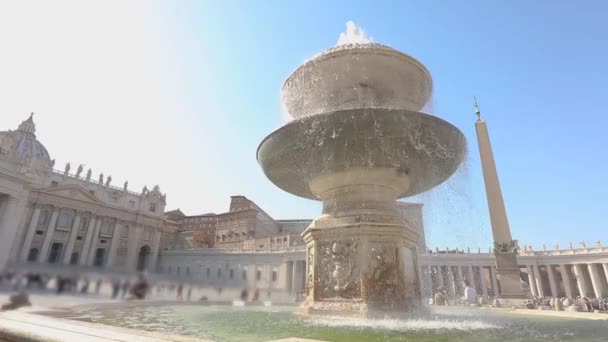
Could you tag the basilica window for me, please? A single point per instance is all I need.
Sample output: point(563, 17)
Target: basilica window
point(64, 221)
point(32, 255)
point(148, 234)
point(258, 275)
point(152, 207)
point(83, 223)
point(106, 228)
point(219, 273)
point(208, 272)
point(274, 276)
point(231, 274)
point(43, 219)
point(244, 275)
point(187, 271)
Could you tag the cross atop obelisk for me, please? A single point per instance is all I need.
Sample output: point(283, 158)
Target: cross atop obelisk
point(505, 248)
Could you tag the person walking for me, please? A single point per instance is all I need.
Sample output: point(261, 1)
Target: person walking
point(180, 289)
point(470, 294)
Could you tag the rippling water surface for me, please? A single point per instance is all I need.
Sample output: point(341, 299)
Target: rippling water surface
point(225, 323)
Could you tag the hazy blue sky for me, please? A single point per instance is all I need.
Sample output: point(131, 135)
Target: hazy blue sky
point(181, 93)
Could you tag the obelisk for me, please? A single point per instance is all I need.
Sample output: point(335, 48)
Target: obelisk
point(505, 248)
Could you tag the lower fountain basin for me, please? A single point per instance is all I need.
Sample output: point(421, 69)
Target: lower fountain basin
point(251, 324)
point(424, 148)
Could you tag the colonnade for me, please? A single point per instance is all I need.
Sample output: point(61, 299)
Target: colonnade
point(570, 280)
point(557, 280)
point(452, 278)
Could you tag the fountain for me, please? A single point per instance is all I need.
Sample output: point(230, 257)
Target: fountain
point(358, 142)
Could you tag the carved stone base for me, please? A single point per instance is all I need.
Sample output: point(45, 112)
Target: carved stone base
point(508, 273)
point(365, 269)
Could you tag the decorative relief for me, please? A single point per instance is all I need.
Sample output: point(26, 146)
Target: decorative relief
point(310, 263)
point(382, 281)
point(338, 270)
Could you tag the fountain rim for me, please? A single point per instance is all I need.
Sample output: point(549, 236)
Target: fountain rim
point(339, 50)
point(312, 117)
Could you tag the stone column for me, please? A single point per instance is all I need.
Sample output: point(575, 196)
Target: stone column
point(48, 236)
point(494, 281)
point(460, 280)
point(470, 275)
point(596, 281)
point(9, 221)
point(566, 280)
point(155, 248)
point(539, 280)
point(484, 285)
point(451, 283)
point(532, 281)
point(134, 237)
point(552, 281)
point(288, 276)
point(93, 245)
point(505, 246)
point(27, 244)
point(605, 271)
point(87, 241)
point(580, 280)
point(113, 245)
point(71, 240)
point(440, 277)
point(427, 281)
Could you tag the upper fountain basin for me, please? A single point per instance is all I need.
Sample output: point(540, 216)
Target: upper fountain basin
point(357, 76)
point(424, 148)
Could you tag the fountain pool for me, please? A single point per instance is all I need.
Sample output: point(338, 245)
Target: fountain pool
point(259, 323)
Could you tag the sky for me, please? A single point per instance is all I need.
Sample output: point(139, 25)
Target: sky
point(180, 94)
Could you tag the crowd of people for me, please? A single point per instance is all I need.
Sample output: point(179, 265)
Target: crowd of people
point(564, 303)
point(442, 298)
point(21, 283)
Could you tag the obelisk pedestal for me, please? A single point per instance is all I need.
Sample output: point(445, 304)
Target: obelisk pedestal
point(505, 248)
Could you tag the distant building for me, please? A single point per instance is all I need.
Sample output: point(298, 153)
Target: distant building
point(68, 217)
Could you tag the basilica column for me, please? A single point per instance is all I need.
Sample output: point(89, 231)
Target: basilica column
point(114, 244)
point(10, 219)
point(605, 266)
point(48, 236)
point(539, 280)
point(494, 281)
point(87, 241)
point(155, 249)
point(566, 280)
point(596, 281)
point(27, 244)
point(71, 240)
point(134, 238)
point(552, 281)
point(580, 280)
point(532, 281)
point(93, 245)
point(505, 248)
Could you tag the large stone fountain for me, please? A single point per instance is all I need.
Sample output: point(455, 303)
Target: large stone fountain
point(358, 142)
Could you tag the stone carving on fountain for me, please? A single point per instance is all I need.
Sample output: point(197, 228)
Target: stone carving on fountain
point(358, 143)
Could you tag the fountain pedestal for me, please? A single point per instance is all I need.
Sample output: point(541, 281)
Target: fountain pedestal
point(361, 256)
